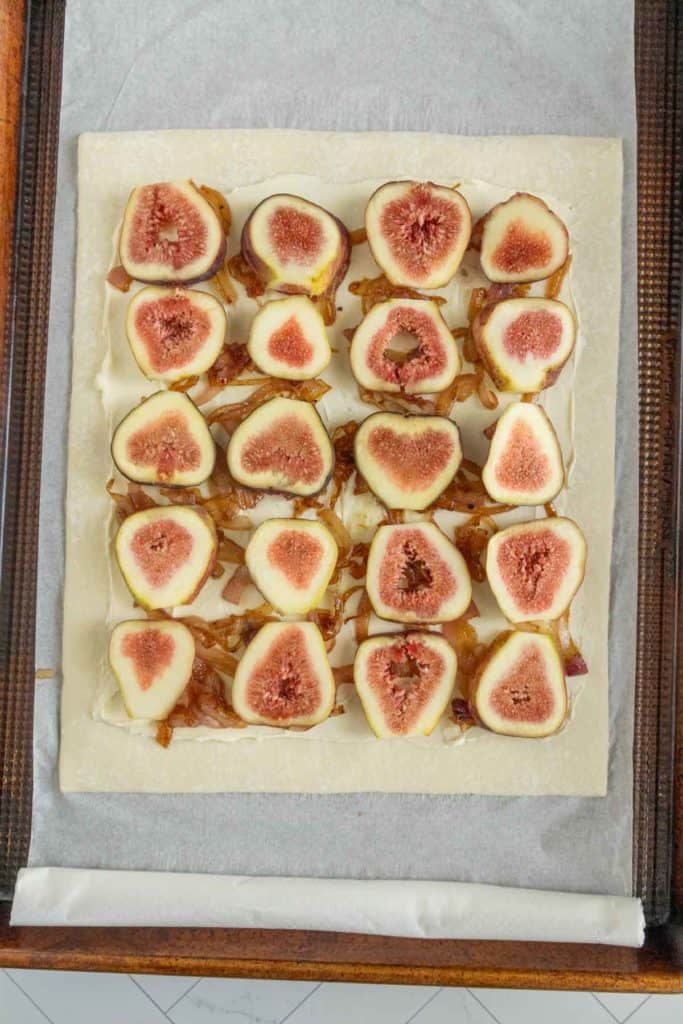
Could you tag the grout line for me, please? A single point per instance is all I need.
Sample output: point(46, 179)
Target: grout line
point(425, 1004)
point(637, 1009)
point(146, 993)
point(483, 1005)
point(38, 1008)
point(599, 1001)
point(174, 1004)
point(307, 996)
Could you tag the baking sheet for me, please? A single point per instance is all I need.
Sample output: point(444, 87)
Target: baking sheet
point(402, 67)
point(341, 754)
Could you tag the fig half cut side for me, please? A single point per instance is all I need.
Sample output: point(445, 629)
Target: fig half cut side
point(171, 235)
point(175, 332)
point(524, 464)
point(418, 232)
point(291, 562)
point(407, 460)
point(152, 662)
point(534, 569)
point(522, 240)
point(295, 246)
point(524, 343)
point(164, 440)
point(288, 339)
point(415, 574)
point(519, 687)
point(404, 682)
point(404, 345)
point(166, 554)
point(282, 446)
point(284, 677)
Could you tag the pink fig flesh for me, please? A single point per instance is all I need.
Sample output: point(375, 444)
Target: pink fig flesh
point(164, 440)
point(535, 568)
point(524, 343)
point(282, 446)
point(524, 465)
point(175, 332)
point(415, 574)
point(418, 232)
point(171, 235)
point(284, 677)
point(407, 460)
point(522, 240)
point(295, 246)
point(404, 682)
point(519, 687)
point(379, 364)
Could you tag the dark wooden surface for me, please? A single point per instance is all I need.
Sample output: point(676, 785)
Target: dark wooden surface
point(308, 955)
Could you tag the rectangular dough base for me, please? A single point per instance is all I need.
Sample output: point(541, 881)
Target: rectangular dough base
point(583, 173)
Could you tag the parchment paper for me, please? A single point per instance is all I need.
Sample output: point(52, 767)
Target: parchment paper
point(479, 68)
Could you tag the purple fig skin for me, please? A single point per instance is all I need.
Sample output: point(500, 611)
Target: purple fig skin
point(188, 282)
point(261, 269)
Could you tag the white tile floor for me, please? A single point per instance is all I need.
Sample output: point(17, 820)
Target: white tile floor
point(34, 997)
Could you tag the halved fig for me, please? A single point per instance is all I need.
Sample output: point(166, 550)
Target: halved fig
point(404, 682)
point(282, 446)
point(166, 554)
point(519, 687)
point(524, 343)
point(407, 460)
point(171, 235)
point(284, 677)
point(291, 562)
point(404, 345)
point(534, 569)
point(175, 332)
point(418, 232)
point(164, 440)
point(295, 246)
point(524, 464)
point(415, 574)
point(522, 240)
point(152, 662)
point(288, 339)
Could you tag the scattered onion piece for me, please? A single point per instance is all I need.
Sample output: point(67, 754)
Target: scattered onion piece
point(240, 270)
point(376, 289)
point(231, 361)
point(236, 585)
point(230, 415)
point(118, 278)
point(220, 204)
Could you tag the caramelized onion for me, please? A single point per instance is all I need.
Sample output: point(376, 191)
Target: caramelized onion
point(230, 415)
point(392, 402)
point(202, 703)
point(247, 277)
point(553, 285)
point(377, 289)
point(471, 540)
point(343, 675)
point(236, 585)
point(183, 385)
point(230, 551)
point(220, 204)
point(358, 236)
point(231, 361)
point(119, 278)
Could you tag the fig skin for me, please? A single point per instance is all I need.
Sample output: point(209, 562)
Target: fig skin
point(407, 644)
point(572, 553)
point(395, 193)
point(281, 408)
point(282, 594)
point(171, 642)
point(321, 282)
point(188, 192)
point(186, 516)
point(452, 605)
point(380, 481)
point(262, 655)
point(512, 644)
point(301, 309)
point(539, 430)
point(206, 306)
point(372, 339)
point(548, 228)
point(502, 376)
point(160, 404)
